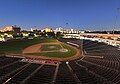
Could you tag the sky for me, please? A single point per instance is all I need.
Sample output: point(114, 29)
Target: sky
point(79, 14)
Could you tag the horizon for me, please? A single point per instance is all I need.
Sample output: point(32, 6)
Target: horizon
point(79, 14)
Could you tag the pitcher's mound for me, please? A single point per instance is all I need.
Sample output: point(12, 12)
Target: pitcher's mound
point(51, 46)
point(63, 50)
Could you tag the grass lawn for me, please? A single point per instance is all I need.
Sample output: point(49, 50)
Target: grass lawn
point(71, 52)
point(50, 47)
point(16, 46)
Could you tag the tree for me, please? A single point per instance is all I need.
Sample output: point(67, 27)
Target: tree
point(58, 35)
point(51, 34)
point(31, 35)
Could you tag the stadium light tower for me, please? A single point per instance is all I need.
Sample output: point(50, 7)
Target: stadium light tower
point(118, 9)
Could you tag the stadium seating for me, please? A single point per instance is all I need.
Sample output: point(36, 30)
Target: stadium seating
point(64, 75)
point(17, 79)
point(43, 76)
point(84, 75)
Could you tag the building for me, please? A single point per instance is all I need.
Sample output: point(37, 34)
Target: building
point(48, 30)
point(14, 29)
point(7, 28)
point(59, 29)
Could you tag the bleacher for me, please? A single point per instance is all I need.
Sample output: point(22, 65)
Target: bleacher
point(64, 75)
point(24, 73)
point(43, 76)
point(84, 75)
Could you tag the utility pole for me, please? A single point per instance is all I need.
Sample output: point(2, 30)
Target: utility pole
point(118, 9)
point(81, 46)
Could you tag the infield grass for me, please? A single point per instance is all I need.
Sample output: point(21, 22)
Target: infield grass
point(50, 47)
point(71, 52)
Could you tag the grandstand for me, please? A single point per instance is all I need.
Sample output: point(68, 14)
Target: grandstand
point(100, 64)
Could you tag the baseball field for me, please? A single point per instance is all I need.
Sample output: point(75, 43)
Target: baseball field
point(47, 47)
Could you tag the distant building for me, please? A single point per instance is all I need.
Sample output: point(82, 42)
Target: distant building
point(48, 29)
point(15, 29)
point(59, 29)
point(8, 28)
point(71, 31)
point(74, 31)
point(65, 30)
point(33, 29)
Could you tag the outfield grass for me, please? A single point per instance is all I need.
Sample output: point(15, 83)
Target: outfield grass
point(16, 46)
point(50, 47)
point(71, 52)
